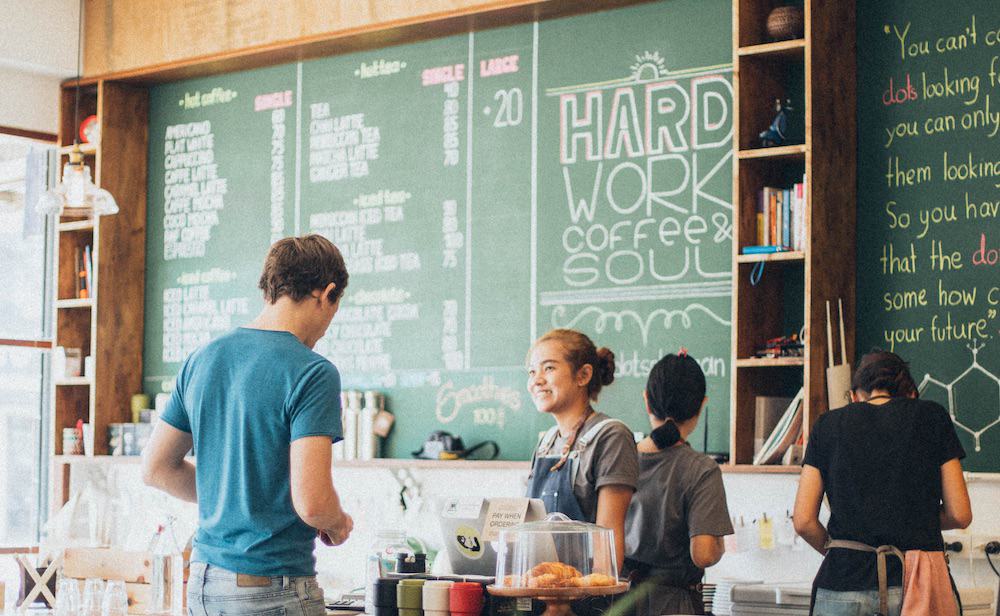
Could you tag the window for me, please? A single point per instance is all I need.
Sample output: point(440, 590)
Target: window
point(25, 246)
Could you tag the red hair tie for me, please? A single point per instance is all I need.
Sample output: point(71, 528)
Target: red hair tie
point(682, 353)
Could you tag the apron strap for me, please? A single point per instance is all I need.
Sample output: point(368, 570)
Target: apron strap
point(880, 554)
point(545, 443)
point(584, 440)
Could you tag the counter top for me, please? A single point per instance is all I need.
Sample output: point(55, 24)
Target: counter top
point(395, 463)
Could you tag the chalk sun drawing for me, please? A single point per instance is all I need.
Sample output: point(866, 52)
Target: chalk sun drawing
point(950, 388)
point(651, 61)
point(622, 317)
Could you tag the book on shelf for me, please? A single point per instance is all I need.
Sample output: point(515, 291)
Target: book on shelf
point(763, 250)
point(88, 269)
point(82, 268)
point(780, 216)
point(768, 410)
point(784, 434)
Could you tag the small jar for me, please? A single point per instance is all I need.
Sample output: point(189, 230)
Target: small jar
point(385, 547)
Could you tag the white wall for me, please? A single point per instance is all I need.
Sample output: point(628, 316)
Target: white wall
point(38, 41)
point(31, 101)
point(371, 495)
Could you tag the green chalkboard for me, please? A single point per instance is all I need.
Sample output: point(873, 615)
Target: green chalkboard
point(484, 188)
point(928, 226)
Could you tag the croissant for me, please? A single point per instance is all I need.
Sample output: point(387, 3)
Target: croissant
point(545, 580)
point(556, 569)
point(597, 579)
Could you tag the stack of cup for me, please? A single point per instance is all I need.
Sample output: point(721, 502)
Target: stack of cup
point(437, 600)
point(385, 597)
point(410, 597)
point(465, 599)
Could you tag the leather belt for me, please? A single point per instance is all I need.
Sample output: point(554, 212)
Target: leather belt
point(245, 580)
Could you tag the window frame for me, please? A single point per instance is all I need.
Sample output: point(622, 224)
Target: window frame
point(43, 343)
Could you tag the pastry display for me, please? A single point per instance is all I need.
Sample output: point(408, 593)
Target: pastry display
point(557, 557)
point(557, 575)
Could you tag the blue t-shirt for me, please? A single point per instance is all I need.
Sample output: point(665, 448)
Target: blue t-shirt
point(244, 398)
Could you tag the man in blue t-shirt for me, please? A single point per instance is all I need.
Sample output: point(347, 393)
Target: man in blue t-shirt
point(261, 410)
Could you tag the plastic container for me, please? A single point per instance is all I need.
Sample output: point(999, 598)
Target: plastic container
point(368, 441)
point(556, 553)
point(352, 415)
point(385, 547)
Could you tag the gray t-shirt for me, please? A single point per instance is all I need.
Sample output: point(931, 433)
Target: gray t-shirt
point(680, 495)
point(609, 459)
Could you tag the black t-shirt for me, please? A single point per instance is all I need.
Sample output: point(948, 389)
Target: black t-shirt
point(881, 468)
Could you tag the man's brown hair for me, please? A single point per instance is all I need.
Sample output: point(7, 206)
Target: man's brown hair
point(297, 266)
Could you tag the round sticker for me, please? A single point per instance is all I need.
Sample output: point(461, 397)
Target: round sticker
point(469, 542)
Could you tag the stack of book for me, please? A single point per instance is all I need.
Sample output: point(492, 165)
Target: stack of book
point(785, 433)
point(781, 220)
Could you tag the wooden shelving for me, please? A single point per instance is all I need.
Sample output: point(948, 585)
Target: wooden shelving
point(72, 381)
point(85, 148)
point(76, 225)
point(785, 151)
point(791, 48)
point(85, 302)
point(107, 324)
point(769, 362)
point(816, 72)
point(791, 255)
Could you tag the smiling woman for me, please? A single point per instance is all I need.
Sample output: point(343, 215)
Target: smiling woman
point(586, 466)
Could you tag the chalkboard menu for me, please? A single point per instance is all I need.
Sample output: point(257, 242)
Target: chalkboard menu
point(928, 203)
point(483, 188)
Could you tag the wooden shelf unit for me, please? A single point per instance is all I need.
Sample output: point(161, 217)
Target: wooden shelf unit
point(817, 72)
point(107, 325)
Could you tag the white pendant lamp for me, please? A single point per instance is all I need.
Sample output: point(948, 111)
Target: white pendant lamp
point(76, 194)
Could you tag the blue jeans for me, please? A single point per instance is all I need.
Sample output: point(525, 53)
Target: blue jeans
point(212, 591)
point(855, 602)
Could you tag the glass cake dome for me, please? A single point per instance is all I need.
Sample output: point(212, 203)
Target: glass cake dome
point(556, 553)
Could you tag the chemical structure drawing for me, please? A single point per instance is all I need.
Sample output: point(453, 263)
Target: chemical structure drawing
point(950, 388)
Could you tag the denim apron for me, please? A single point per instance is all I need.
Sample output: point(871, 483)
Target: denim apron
point(555, 488)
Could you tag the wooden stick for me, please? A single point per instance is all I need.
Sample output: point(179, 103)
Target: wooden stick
point(829, 336)
point(843, 345)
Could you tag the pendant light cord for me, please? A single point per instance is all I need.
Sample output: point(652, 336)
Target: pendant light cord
point(79, 69)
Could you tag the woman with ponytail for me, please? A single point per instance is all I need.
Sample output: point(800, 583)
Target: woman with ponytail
point(585, 466)
point(890, 465)
point(678, 517)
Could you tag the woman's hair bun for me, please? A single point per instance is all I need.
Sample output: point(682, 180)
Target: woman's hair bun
point(605, 365)
point(667, 435)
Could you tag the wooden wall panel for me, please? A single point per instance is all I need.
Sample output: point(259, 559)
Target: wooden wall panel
point(124, 35)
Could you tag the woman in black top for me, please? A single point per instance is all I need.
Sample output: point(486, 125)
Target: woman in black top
point(890, 465)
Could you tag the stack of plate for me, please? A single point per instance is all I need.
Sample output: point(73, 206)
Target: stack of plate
point(722, 600)
point(768, 600)
point(707, 596)
point(977, 601)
